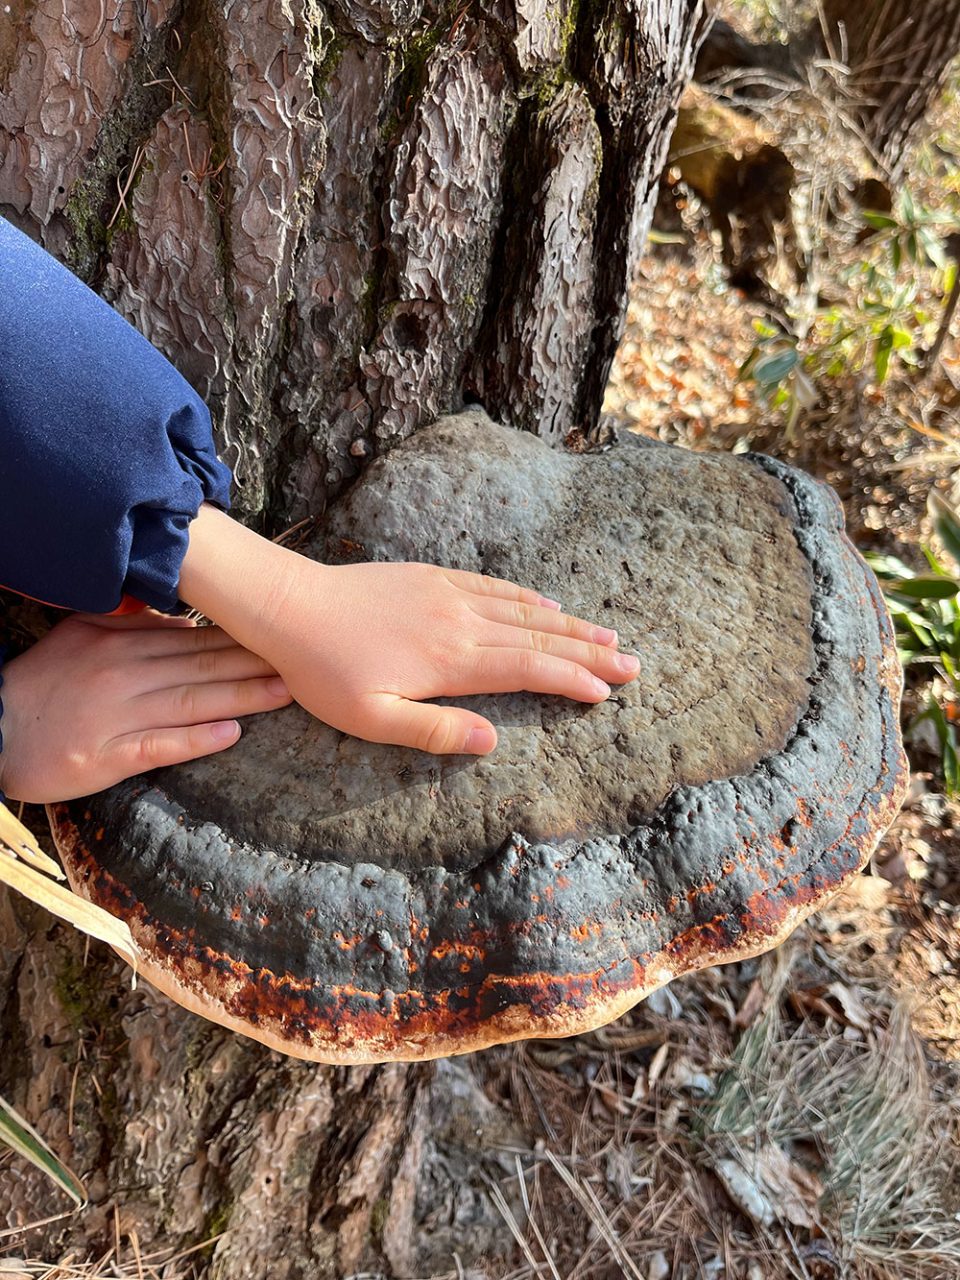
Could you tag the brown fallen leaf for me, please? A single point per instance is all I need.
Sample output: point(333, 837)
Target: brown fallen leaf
point(752, 1005)
point(769, 1186)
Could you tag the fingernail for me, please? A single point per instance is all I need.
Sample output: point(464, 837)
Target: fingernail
point(550, 604)
point(224, 729)
point(276, 686)
point(604, 635)
point(600, 687)
point(627, 663)
point(480, 742)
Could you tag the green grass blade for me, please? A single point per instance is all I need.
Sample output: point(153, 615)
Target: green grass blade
point(25, 1140)
point(925, 587)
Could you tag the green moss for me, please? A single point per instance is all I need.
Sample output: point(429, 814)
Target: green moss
point(412, 74)
point(544, 85)
point(568, 28)
point(93, 198)
point(378, 1220)
point(327, 65)
point(82, 994)
point(218, 1220)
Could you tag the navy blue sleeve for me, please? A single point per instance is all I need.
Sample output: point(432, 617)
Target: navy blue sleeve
point(106, 452)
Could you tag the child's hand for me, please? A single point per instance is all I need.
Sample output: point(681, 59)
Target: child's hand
point(360, 646)
point(101, 699)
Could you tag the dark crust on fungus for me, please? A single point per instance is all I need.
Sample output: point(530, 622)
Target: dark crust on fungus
point(351, 960)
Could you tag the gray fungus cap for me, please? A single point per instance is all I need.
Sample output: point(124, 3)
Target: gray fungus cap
point(351, 902)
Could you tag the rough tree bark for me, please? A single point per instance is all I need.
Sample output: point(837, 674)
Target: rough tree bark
point(339, 218)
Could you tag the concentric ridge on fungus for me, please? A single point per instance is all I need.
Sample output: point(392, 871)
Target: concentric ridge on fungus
point(350, 902)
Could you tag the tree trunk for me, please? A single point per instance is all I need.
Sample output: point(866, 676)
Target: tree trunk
point(339, 218)
point(898, 53)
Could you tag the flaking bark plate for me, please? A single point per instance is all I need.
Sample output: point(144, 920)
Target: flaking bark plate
point(351, 902)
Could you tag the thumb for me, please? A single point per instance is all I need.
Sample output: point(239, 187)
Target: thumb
point(439, 730)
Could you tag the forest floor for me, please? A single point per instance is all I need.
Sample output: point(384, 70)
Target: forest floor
point(796, 1115)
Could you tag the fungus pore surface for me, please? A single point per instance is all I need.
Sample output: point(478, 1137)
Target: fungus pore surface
point(351, 902)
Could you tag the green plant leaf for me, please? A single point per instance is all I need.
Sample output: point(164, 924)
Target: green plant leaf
point(764, 329)
point(946, 522)
point(879, 221)
point(934, 563)
point(925, 587)
point(772, 369)
point(881, 361)
point(885, 566)
point(24, 1139)
point(933, 248)
point(745, 372)
point(917, 626)
point(948, 747)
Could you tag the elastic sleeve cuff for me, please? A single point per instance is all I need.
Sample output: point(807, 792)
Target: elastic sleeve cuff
point(159, 532)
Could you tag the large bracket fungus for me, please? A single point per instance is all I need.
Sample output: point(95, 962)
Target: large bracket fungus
point(350, 902)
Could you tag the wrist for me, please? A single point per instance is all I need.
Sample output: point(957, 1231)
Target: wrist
point(239, 579)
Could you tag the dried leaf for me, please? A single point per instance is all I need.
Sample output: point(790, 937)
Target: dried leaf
point(753, 1004)
point(855, 1013)
point(19, 840)
point(65, 904)
point(769, 1186)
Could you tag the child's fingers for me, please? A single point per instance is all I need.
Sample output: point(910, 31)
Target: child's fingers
point(205, 666)
point(482, 584)
point(145, 620)
point(161, 642)
point(515, 613)
point(156, 748)
point(505, 670)
point(202, 703)
point(609, 664)
point(439, 730)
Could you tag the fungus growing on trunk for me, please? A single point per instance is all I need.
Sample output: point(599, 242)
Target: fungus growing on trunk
point(350, 902)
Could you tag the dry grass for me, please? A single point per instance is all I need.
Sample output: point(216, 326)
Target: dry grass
point(808, 1148)
point(119, 1262)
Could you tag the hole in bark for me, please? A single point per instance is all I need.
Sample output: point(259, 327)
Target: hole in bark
point(409, 331)
point(321, 322)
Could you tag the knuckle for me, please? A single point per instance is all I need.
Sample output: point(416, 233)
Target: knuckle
point(207, 637)
point(539, 642)
point(436, 737)
point(187, 702)
point(149, 750)
point(207, 662)
point(531, 664)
